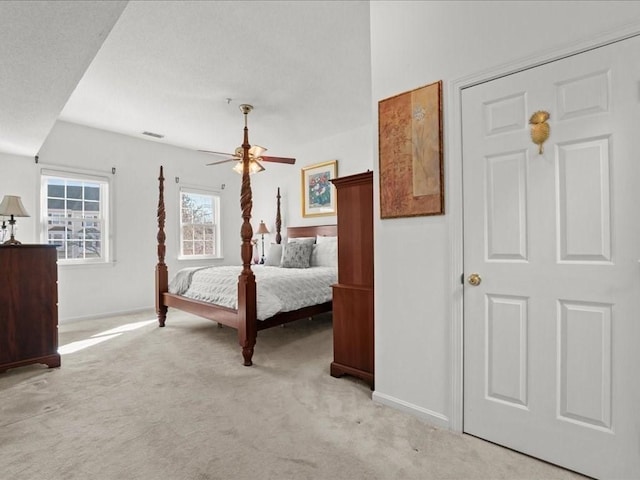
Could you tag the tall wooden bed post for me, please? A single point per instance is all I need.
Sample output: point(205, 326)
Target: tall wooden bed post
point(247, 311)
point(162, 276)
point(245, 318)
point(278, 219)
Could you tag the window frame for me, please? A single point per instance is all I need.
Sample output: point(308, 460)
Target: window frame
point(217, 223)
point(104, 212)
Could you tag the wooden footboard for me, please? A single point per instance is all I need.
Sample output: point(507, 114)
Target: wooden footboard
point(217, 313)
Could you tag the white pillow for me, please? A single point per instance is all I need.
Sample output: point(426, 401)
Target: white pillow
point(324, 255)
point(302, 239)
point(274, 255)
point(326, 238)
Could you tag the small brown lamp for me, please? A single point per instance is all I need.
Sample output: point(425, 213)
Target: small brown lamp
point(12, 207)
point(262, 230)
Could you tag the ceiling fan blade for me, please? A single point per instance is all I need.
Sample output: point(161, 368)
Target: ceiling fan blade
point(290, 161)
point(217, 153)
point(234, 159)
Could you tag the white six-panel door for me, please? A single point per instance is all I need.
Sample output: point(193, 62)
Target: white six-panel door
point(552, 331)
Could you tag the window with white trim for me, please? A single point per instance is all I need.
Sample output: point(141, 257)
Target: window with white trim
point(199, 224)
point(75, 216)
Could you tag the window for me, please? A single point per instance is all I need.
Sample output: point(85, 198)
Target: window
point(199, 224)
point(75, 216)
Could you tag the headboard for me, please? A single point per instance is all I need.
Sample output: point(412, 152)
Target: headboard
point(312, 231)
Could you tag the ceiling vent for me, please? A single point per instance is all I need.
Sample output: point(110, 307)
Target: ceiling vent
point(154, 135)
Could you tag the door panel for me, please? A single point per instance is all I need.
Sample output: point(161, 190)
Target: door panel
point(506, 200)
point(506, 347)
point(551, 331)
point(584, 376)
point(584, 201)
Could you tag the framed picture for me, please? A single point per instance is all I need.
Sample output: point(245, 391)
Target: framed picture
point(318, 193)
point(410, 152)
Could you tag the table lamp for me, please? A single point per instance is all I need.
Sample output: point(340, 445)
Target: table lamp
point(262, 229)
point(11, 206)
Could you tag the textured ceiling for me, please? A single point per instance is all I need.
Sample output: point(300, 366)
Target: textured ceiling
point(45, 47)
point(169, 68)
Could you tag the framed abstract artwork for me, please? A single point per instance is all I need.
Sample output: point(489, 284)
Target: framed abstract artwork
point(411, 154)
point(318, 193)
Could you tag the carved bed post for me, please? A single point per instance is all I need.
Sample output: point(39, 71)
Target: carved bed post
point(162, 278)
point(247, 311)
point(278, 219)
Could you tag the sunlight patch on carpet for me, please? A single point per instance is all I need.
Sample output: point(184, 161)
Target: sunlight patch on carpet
point(82, 344)
point(101, 337)
point(125, 328)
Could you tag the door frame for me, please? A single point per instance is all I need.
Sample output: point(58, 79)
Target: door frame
point(454, 189)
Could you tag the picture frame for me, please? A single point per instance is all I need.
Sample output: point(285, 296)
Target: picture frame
point(410, 149)
point(318, 193)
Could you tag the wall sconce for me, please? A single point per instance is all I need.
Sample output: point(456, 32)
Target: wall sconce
point(262, 230)
point(12, 207)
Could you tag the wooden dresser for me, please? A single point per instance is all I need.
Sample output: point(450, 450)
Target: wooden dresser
point(28, 306)
point(353, 294)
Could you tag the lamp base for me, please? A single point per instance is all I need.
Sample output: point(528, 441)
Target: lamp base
point(12, 241)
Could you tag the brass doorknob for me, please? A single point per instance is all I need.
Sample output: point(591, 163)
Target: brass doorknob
point(474, 279)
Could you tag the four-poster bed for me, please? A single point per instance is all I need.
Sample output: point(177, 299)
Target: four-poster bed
point(243, 318)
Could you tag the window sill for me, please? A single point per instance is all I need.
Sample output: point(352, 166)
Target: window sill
point(199, 258)
point(66, 265)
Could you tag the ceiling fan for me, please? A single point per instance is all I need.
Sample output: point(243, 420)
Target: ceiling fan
point(255, 152)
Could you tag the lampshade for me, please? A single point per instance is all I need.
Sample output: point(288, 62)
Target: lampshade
point(254, 167)
point(262, 228)
point(12, 205)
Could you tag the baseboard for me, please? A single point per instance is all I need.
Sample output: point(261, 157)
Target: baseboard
point(433, 418)
point(151, 311)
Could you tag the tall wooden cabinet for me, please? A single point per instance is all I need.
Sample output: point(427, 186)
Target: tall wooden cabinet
point(353, 294)
point(28, 306)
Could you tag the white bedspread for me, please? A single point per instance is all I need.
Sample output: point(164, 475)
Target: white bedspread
point(278, 289)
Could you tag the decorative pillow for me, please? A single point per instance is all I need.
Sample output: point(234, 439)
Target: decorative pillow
point(296, 255)
point(274, 255)
point(325, 255)
point(326, 238)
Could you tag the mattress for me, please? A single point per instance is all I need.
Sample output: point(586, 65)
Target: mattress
point(278, 289)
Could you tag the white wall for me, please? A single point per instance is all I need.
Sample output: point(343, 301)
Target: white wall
point(16, 178)
point(127, 284)
point(414, 44)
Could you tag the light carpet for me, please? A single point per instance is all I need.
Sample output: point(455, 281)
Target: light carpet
point(176, 403)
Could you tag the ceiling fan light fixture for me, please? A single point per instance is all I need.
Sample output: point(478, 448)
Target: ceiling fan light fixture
point(257, 151)
point(254, 167)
